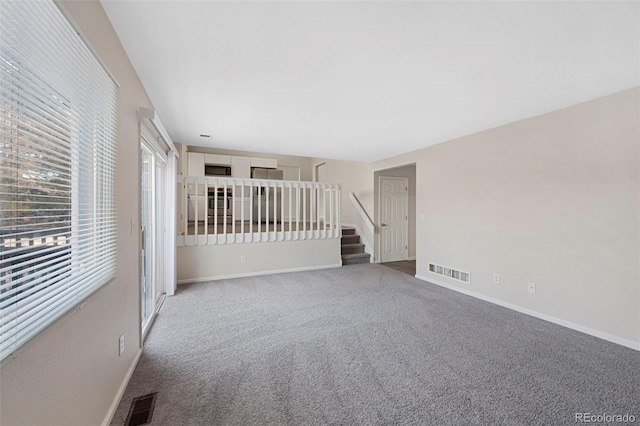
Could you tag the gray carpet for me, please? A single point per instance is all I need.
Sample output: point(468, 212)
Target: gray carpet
point(365, 344)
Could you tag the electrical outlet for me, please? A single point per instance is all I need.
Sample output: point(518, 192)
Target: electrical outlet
point(243, 259)
point(496, 278)
point(121, 345)
point(421, 217)
point(531, 287)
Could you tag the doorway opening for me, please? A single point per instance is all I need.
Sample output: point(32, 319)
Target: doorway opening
point(395, 216)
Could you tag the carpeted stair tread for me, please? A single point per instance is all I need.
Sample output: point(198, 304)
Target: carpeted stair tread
point(356, 258)
point(348, 231)
point(352, 248)
point(350, 239)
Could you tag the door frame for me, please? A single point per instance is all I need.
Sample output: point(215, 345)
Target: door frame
point(406, 210)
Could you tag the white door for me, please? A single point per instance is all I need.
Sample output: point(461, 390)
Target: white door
point(393, 219)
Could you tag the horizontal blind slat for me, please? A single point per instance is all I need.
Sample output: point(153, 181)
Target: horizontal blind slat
point(57, 171)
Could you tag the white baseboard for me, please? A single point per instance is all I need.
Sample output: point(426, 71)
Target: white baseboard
point(258, 273)
point(599, 334)
point(411, 258)
point(123, 387)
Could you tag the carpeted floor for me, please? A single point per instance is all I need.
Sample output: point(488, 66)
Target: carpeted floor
point(366, 344)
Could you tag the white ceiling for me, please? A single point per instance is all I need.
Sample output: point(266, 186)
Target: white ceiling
point(368, 80)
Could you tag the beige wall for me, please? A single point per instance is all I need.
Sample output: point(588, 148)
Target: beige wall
point(551, 199)
point(211, 262)
point(70, 373)
point(353, 176)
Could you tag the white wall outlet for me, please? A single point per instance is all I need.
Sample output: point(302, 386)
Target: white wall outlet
point(243, 258)
point(531, 287)
point(421, 217)
point(496, 278)
point(121, 345)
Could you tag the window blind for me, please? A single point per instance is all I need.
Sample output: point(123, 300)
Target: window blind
point(57, 170)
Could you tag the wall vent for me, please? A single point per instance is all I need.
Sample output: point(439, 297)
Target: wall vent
point(141, 411)
point(455, 274)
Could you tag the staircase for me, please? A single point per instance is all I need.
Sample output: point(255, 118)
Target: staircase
point(352, 250)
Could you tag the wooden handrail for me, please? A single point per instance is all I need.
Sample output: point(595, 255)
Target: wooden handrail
point(363, 214)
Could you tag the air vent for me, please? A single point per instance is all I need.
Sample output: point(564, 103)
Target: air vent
point(141, 410)
point(454, 274)
point(203, 136)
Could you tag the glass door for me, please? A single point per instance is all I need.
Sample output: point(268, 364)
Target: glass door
point(153, 170)
point(160, 204)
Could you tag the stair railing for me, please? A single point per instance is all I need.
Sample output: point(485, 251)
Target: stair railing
point(365, 228)
point(219, 210)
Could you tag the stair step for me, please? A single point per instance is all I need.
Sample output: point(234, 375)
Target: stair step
point(350, 239)
point(348, 231)
point(351, 248)
point(356, 258)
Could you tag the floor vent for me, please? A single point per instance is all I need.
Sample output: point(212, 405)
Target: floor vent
point(465, 277)
point(141, 410)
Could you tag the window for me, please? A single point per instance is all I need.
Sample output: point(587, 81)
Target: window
point(57, 159)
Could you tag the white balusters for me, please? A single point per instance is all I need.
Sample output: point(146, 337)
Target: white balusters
point(254, 210)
